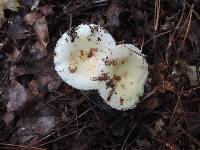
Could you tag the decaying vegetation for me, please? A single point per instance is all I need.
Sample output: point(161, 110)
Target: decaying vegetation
point(38, 111)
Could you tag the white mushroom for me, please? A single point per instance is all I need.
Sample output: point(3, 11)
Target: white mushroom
point(122, 83)
point(80, 52)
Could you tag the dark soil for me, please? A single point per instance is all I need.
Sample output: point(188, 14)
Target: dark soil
point(38, 111)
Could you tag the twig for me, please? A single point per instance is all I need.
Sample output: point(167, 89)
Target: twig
point(64, 136)
point(20, 146)
point(156, 15)
point(173, 34)
point(129, 134)
point(188, 27)
point(159, 35)
point(39, 141)
point(155, 25)
point(176, 106)
point(175, 136)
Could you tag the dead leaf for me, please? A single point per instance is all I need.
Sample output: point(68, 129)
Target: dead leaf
point(46, 10)
point(16, 71)
point(166, 86)
point(44, 124)
point(41, 30)
point(54, 85)
point(159, 125)
point(20, 97)
point(112, 14)
point(31, 18)
point(38, 50)
point(161, 82)
point(31, 127)
point(192, 73)
point(38, 88)
point(17, 96)
point(16, 30)
point(7, 4)
point(8, 118)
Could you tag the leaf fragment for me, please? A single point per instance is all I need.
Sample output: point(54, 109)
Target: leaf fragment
point(7, 4)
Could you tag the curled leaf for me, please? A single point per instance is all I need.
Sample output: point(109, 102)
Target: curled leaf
point(7, 4)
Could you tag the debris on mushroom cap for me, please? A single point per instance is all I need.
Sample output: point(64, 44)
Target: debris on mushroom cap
point(125, 83)
point(88, 58)
point(79, 52)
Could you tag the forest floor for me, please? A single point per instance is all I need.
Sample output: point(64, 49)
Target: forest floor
point(38, 111)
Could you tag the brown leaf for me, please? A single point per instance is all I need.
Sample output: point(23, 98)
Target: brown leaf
point(159, 125)
point(161, 82)
point(31, 127)
point(112, 14)
point(38, 50)
point(17, 96)
point(43, 85)
point(192, 73)
point(31, 18)
point(46, 10)
point(38, 87)
point(8, 118)
point(166, 86)
point(16, 30)
point(41, 29)
point(16, 71)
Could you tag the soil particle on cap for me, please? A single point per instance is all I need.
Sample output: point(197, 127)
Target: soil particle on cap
point(121, 101)
point(72, 70)
point(92, 52)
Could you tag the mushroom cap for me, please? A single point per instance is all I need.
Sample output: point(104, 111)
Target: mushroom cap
point(83, 31)
point(124, 85)
point(79, 53)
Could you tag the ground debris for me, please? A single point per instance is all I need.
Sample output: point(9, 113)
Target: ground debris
point(38, 49)
point(162, 83)
point(17, 96)
point(44, 110)
point(29, 128)
point(21, 96)
point(112, 14)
